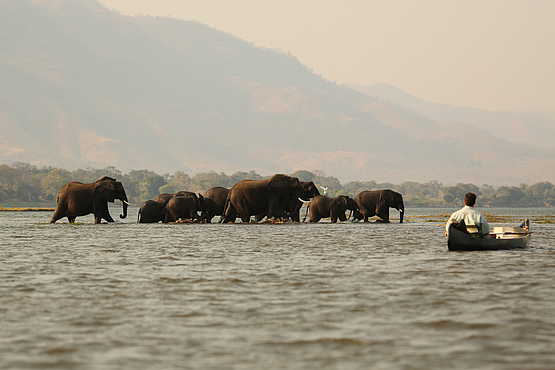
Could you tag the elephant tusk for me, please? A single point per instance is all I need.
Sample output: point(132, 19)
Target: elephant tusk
point(304, 201)
point(123, 201)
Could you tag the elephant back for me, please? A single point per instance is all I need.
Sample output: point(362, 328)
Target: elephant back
point(187, 194)
point(368, 199)
point(150, 212)
point(164, 198)
point(218, 195)
point(182, 207)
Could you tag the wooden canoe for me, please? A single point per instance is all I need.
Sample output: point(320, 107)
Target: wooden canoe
point(502, 238)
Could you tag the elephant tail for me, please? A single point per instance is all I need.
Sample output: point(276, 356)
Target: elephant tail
point(227, 209)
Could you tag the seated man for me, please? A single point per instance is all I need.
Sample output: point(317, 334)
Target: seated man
point(469, 215)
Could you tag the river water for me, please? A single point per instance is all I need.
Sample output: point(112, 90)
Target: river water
point(318, 296)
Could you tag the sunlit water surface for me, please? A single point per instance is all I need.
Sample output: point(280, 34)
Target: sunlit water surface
point(344, 296)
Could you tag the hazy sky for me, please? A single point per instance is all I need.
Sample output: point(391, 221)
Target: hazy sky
point(494, 54)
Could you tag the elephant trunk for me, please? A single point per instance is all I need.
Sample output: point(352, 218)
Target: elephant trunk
point(124, 204)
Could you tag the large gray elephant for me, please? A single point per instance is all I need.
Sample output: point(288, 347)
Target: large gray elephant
point(214, 203)
point(152, 211)
point(254, 197)
point(76, 199)
point(182, 207)
point(334, 208)
point(294, 205)
point(377, 203)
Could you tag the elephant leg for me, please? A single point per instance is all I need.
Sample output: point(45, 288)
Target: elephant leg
point(58, 214)
point(274, 208)
point(336, 214)
point(342, 217)
point(71, 219)
point(243, 211)
point(230, 214)
point(102, 213)
point(106, 215)
point(314, 219)
point(384, 215)
point(364, 213)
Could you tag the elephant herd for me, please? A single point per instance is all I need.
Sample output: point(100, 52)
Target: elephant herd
point(279, 197)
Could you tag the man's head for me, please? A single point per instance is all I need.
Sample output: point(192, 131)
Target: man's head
point(469, 199)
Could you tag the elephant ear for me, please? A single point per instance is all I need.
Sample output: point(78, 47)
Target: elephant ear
point(390, 197)
point(347, 201)
point(309, 189)
point(338, 203)
point(105, 190)
point(313, 189)
point(337, 207)
point(399, 200)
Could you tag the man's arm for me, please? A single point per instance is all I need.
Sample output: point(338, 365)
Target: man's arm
point(455, 218)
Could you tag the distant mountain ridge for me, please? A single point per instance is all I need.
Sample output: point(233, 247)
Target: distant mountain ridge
point(519, 127)
point(86, 86)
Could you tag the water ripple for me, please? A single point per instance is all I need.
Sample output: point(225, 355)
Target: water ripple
point(269, 296)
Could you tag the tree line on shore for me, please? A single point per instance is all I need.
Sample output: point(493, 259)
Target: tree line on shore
point(23, 182)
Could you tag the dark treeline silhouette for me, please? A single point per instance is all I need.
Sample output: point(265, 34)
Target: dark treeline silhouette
point(23, 182)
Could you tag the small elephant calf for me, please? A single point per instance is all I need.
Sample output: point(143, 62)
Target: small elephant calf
point(181, 207)
point(322, 207)
point(151, 212)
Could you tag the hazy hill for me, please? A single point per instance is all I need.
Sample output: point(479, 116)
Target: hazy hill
point(83, 85)
point(520, 127)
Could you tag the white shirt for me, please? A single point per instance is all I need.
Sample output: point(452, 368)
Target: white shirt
point(470, 217)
